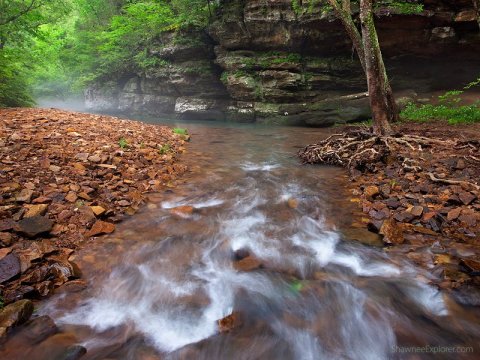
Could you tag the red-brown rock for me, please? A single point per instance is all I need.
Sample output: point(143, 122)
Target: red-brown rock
point(247, 264)
point(392, 233)
point(101, 227)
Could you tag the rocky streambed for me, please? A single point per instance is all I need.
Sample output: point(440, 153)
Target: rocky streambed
point(422, 198)
point(65, 179)
point(254, 255)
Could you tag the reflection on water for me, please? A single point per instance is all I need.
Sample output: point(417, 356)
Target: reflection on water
point(159, 284)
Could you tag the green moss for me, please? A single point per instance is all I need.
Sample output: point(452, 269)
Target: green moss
point(200, 70)
point(402, 7)
point(307, 76)
point(267, 59)
point(292, 58)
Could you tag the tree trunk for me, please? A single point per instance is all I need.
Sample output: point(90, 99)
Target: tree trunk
point(476, 6)
point(344, 14)
point(382, 102)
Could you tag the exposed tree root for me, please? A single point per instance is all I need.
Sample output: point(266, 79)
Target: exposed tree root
point(362, 150)
point(452, 182)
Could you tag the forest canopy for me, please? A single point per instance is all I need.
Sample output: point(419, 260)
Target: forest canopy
point(56, 47)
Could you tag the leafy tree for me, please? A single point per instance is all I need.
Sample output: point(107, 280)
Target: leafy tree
point(365, 41)
point(20, 21)
point(366, 44)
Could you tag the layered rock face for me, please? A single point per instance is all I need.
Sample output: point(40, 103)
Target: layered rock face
point(185, 83)
point(262, 61)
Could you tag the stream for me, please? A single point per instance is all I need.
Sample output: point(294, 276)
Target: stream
point(159, 284)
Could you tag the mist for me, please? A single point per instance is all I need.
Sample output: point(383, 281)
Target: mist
point(72, 103)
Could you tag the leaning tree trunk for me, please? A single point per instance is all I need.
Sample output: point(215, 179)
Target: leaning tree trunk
point(343, 12)
point(382, 102)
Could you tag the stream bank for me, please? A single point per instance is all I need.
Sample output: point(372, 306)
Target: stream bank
point(67, 178)
point(422, 198)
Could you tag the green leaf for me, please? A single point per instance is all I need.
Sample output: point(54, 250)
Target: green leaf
point(296, 286)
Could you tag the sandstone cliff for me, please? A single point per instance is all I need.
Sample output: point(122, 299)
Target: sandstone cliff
point(262, 61)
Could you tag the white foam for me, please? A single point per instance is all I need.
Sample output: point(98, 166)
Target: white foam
point(248, 166)
point(429, 298)
point(207, 203)
point(359, 267)
point(197, 205)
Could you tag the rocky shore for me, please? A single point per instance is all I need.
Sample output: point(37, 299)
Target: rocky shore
point(66, 178)
point(423, 199)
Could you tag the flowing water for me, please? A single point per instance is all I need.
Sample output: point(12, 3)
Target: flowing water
point(159, 284)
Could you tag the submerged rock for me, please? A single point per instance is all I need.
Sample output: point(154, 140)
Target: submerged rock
point(472, 267)
point(183, 211)
point(38, 329)
point(248, 263)
point(230, 322)
point(363, 236)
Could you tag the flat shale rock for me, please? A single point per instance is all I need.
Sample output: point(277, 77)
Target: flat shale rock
point(34, 226)
point(35, 210)
point(9, 267)
point(230, 322)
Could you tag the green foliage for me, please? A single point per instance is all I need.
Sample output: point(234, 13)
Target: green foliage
point(301, 7)
point(79, 203)
point(454, 115)
point(164, 149)
point(123, 143)
point(20, 26)
point(13, 81)
point(180, 131)
point(2, 303)
point(224, 77)
point(43, 52)
point(472, 84)
point(144, 61)
point(405, 7)
point(449, 108)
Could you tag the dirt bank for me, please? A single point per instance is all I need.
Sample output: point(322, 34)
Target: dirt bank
point(67, 177)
